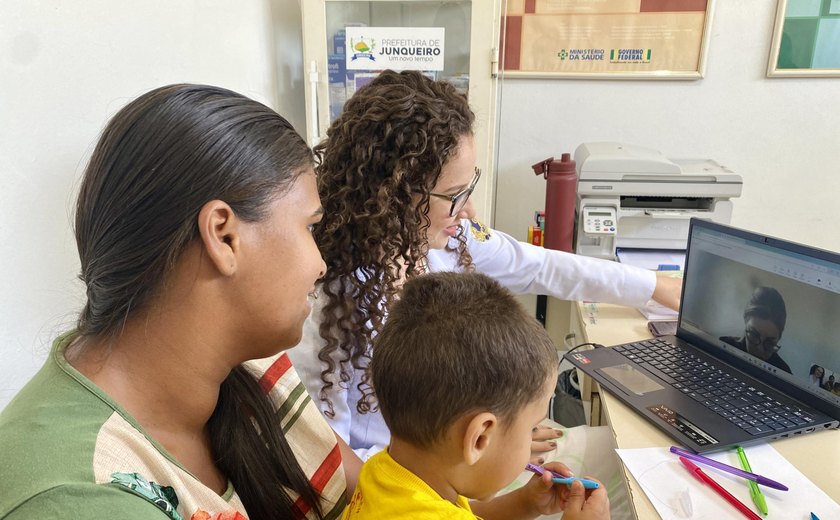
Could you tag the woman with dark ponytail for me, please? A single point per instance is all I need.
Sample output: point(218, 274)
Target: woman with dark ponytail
point(173, 398)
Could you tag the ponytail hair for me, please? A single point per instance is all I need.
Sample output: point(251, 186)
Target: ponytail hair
point(158, 161)
point(245, 456)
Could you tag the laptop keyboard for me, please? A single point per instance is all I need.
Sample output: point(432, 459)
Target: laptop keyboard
point(723, 393)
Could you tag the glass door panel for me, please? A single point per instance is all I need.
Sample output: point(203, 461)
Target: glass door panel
point(470, 39)
point(453, 17)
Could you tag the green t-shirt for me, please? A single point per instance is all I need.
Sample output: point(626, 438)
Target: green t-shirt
point(67, 450)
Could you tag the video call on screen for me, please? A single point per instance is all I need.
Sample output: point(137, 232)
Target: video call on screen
point(774, 308)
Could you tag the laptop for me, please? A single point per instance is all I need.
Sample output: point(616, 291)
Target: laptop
point(756, 356)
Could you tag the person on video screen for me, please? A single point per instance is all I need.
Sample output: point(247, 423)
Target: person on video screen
point(764, 322)
point(816, 375)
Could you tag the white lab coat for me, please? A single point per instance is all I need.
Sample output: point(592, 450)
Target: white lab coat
point(521, 267)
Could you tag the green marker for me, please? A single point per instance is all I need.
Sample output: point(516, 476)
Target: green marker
point(755, 493)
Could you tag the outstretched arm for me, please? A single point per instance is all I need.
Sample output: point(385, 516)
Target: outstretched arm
point(528, 269)
point(667, 291)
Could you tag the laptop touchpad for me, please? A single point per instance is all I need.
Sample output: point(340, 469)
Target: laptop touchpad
point(631, 379)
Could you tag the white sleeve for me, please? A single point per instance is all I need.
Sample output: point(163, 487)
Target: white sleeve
point(527, 269)
point(367, 434)
point(366, 453)
point(304, 358)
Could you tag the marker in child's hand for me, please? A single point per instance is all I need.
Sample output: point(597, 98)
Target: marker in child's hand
point(560, 479)
point(588, 484)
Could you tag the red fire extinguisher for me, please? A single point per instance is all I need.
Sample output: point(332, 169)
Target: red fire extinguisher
point(560, 200)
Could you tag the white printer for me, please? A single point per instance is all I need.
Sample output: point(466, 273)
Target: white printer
point(634, 197)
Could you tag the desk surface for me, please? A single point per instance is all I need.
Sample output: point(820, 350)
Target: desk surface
point(816, 455)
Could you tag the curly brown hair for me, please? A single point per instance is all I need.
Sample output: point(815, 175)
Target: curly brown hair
point(383, 153)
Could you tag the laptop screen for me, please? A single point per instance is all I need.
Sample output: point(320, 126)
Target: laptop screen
point(769, 302)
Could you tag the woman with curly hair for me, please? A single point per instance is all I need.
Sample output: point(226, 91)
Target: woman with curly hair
point(395, 176)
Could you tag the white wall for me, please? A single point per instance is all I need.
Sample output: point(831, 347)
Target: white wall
point(65, 68)
point(781, 135)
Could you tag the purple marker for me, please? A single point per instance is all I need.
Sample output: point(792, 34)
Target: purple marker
point(758, 479)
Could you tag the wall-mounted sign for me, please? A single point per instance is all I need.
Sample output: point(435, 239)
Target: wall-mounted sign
point(397, 48)
point(626, 39)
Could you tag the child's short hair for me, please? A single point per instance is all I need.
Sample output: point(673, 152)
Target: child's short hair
point(453, 343)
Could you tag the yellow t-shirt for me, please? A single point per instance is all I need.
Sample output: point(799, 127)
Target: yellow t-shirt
point(388, 490)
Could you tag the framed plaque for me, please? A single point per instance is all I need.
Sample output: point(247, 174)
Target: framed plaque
point(806, 39)
point(606, 39)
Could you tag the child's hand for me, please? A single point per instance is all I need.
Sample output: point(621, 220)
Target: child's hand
point(583, 504)
point(575, 502)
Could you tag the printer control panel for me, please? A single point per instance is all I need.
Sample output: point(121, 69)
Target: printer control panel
point(599, 220)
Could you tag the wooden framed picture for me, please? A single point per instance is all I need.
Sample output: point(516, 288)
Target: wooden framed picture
point(806, 39)
point(606, 39)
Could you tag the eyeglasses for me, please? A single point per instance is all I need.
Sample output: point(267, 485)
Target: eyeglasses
point(459, 200)
point(767, 344)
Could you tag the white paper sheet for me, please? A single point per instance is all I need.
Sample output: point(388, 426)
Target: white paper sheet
point(668, 485)
point(653, 311)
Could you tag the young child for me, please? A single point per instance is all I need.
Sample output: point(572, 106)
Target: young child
point(462, 374)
